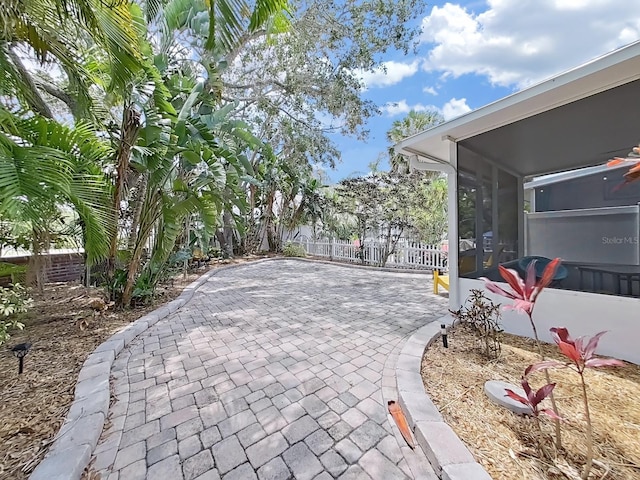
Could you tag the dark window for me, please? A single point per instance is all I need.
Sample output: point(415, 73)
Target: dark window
point(487, 216)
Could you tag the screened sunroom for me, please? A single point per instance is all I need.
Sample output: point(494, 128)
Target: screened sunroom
point(518, 191)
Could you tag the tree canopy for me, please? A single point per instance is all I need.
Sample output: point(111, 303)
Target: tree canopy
point(143, 130)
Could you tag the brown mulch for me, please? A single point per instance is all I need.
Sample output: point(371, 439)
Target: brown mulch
point(507, 445)
point(64, 328)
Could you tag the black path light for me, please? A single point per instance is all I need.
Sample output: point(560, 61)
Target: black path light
point(20, 351)
point(443, 332)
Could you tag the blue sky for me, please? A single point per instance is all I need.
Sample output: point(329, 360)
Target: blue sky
point(474, 52)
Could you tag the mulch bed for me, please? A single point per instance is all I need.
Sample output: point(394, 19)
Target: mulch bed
point(64, 328)
point(506, 444)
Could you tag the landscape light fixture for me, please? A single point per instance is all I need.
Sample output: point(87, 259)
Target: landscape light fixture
point(443, 331)
point(20, 351)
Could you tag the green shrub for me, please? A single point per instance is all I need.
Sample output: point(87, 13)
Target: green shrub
point(16, 272)
point(482, 317)
point(293, 250)
point(14, 301)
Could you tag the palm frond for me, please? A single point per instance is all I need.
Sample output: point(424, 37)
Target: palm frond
point(265, 10)
point(225, 24)
point(44, 162)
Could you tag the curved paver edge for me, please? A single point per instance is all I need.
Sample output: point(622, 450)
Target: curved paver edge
point(450, 458)
point(355, 265)
point(76, 440)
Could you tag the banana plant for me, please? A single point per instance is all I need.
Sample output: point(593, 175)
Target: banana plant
point(189, 167)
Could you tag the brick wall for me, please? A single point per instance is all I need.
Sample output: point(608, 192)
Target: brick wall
point(60, 267)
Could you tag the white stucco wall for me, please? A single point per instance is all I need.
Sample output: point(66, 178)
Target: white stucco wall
point(582, 313)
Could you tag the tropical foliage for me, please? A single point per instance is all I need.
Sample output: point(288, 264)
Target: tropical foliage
point(143, 130)
point(579, 352)
point(414, 122)
point(14, 301)
point(388, 206)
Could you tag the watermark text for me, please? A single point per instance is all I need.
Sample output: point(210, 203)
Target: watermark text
point(620, 240)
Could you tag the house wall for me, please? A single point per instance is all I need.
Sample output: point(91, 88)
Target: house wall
point(605, 235)
point(582, 313)
point(593, 191)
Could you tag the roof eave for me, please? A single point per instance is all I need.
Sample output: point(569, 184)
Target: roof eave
point(510, 109)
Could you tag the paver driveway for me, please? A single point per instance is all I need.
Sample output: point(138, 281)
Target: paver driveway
point(273, 370)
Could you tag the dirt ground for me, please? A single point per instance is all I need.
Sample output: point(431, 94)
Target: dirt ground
point(63, 330)
point(506, 444)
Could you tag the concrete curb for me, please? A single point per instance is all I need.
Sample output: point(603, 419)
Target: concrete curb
point(74, 444)
point(450, 458)
point(418, 464)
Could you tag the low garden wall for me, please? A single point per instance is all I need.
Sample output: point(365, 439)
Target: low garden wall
point(59, 267)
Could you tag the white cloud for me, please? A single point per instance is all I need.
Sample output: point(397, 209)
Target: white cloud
point(389, 73)
point(454, 108)
point(430, 91)
point(521, 42)
point(400, 107)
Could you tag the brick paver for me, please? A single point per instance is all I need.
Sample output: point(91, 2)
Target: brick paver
point(273, 370)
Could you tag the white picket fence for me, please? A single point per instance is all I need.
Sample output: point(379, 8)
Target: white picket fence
point(409, 254)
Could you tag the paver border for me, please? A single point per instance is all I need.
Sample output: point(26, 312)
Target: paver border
point(448, 455)
point(76, 440)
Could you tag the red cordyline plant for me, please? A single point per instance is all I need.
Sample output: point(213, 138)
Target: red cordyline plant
point(633, 174)
point(524, 294)
point(580, 353)
point(533, 401)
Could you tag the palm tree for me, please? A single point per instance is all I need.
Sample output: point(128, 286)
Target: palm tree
point(61, 32)
point(415, 122)
point(42, 161)
point(45, 166)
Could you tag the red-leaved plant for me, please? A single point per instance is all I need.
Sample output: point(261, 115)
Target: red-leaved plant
point(580, 352)
point(524, 293)
point(633, 174)
point(533, 401)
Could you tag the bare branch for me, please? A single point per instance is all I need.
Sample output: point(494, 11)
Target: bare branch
point(35, 100)
point(61, 95)
point(231, 56)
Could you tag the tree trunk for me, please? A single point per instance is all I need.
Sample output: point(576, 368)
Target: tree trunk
point(392, 244)
point(141, 194)
point(249, 240)
point(227, 234)
point(136, 244)
point(268, 222)
point(38, 261)
point(362, 234)
point(220, 237)
point(387, 248)
point(185, 265)
point(278, 238)
point(128, 135)
point(132, 273)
